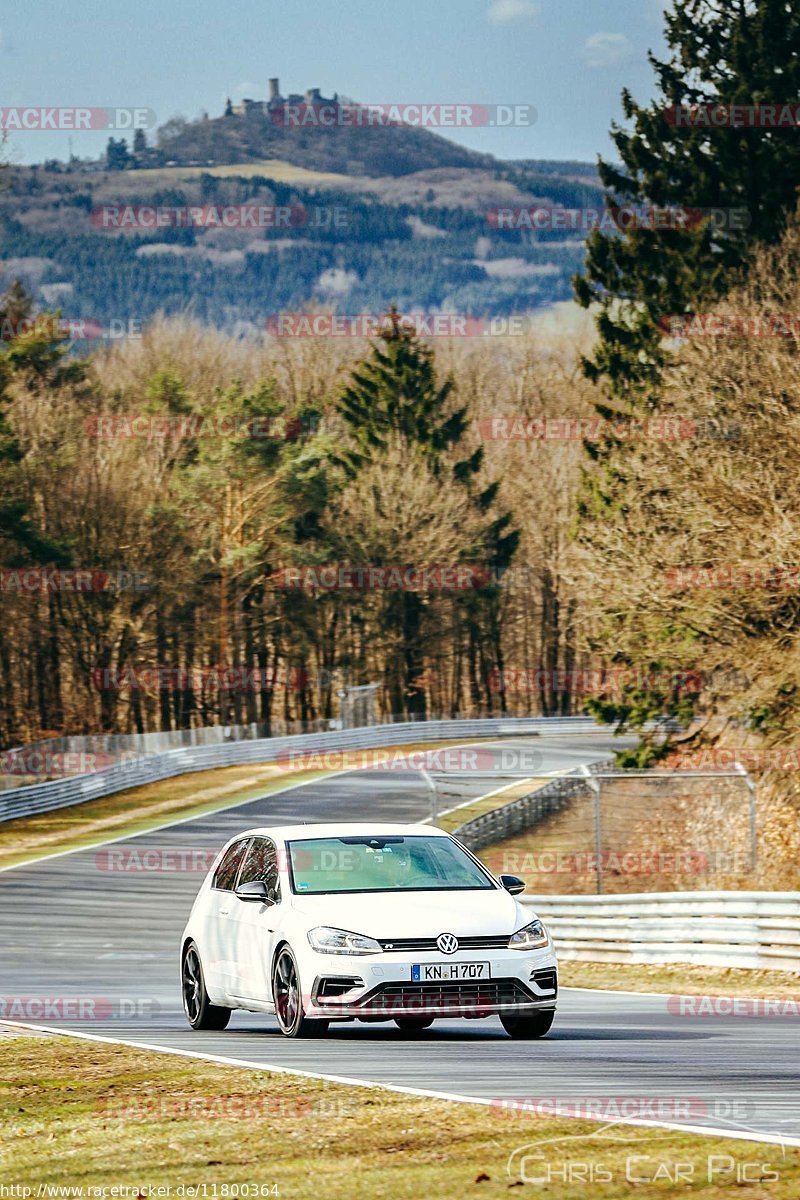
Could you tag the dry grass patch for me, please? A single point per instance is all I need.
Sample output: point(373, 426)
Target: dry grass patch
point(685, 979)
point(468, 812)
point(268, 168)
point(94, 1115)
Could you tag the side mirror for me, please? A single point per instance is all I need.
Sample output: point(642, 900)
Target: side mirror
point(256, 892)
point(513, 884)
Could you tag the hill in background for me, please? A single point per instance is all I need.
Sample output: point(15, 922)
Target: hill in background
point(413, 225)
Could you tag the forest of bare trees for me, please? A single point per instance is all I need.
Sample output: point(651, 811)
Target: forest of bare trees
point(598, 515)
point(202, 529)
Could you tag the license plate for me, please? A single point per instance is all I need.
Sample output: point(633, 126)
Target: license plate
point(439, 972)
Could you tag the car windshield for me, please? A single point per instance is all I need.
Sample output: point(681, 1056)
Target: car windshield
point(382, 864)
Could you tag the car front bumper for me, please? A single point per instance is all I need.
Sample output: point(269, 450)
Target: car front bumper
point(382, 987)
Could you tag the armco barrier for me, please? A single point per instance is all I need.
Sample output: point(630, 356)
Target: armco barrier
point(714, 929)
point(519, 815)
point(60, 793)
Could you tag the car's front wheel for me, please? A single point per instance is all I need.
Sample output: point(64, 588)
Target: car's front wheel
point(534, 1023)
point(288, 999)
point(200, 1012)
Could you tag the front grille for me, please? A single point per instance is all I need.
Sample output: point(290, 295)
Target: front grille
point(494, 941)
point(472, 995)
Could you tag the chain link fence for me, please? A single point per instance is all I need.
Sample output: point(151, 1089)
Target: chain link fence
point(601, 830)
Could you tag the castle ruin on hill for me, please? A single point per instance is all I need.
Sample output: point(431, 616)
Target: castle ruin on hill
point(275, 101)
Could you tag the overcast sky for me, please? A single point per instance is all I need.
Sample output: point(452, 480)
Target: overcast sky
point(567, 58)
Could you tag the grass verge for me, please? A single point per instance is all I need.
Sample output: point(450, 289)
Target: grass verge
point(683, 979)
point(450, 820)
point(90, 1115)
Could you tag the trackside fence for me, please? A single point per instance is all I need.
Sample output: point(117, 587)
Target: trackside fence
point(595, 827)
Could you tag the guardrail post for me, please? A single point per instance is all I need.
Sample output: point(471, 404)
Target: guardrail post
point(751, 787)
point(595, 785)
point(426, 775)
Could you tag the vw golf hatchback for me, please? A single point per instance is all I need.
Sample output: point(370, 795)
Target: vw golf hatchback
point(367, 922)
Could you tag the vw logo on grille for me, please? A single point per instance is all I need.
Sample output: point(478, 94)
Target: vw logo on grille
point(447, 943)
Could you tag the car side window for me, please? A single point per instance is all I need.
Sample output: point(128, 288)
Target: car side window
point(225, 874)
point(261, 863)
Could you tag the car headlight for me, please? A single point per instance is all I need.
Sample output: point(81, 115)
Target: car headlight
point(531, 937)
point(341, 941)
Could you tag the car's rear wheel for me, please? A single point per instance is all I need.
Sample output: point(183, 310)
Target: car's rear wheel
point(413, 1024)
point(200, 1012)
point(534, 1023)
point(288, 999)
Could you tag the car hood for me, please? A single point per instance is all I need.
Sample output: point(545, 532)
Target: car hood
point(401, 914)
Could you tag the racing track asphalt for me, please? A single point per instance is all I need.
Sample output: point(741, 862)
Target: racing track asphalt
point(72, 928)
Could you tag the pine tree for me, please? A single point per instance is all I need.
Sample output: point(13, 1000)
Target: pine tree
point(395, 391)
point(118, 156)
point(735, 52)
point(32, 357)
point(742, 52)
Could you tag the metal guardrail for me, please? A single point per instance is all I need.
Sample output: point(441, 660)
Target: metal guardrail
point(713, 929)
point(61, 793)
point(528, 810)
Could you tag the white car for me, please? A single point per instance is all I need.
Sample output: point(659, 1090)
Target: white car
point(368, 922)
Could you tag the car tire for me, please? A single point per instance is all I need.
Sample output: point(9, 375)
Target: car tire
point(413, 1024)
point(288, 999)
point(200, 1012)
point(533, 1023)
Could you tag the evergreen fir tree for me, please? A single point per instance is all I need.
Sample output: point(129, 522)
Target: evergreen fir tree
point(395, 390)
point(743, 52)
